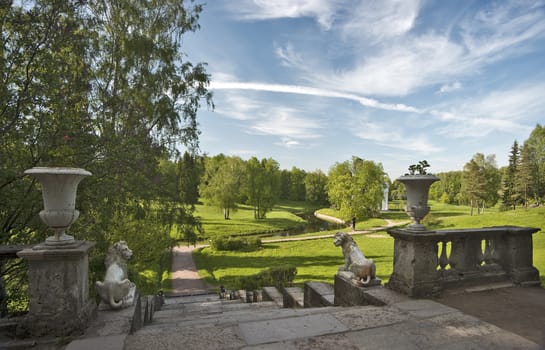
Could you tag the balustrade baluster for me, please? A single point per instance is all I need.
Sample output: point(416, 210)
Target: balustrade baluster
point(488, 251)
point(443, 260)
point(480, 254)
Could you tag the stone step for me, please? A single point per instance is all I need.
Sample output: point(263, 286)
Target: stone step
point(294, 297)
point(273, 294)
point(220, 314)
point(318, 294)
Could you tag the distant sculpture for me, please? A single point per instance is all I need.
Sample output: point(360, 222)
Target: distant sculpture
point(356, 266)
point(117, 290)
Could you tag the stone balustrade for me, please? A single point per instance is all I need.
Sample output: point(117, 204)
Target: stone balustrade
point(427, 262)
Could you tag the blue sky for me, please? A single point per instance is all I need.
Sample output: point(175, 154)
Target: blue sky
point(314, 82)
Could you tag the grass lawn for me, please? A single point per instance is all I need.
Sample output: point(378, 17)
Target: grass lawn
point(318, 260)
point(242, 220)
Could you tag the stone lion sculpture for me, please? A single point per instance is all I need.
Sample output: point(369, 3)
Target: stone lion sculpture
point(356, 266)
point(116, 290)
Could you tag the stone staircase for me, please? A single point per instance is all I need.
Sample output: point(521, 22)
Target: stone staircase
point(207, 322)
point(310, 322)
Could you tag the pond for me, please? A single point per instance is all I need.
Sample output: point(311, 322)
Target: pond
point(313, 225)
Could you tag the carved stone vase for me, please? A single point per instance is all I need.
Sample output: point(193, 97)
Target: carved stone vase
point(59, 186)
point(417, 187)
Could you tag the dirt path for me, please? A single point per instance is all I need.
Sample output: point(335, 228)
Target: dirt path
point(185, 279)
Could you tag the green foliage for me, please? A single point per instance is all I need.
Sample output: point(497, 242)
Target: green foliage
point(420, 168)
point(262, 185)
point(315, 186)
point(536, 145)
point(236, 243)
point(355, 188)
point(107, 88)
point(274, 276)
point(510, 197)
point(222, 182)
point(480, 181)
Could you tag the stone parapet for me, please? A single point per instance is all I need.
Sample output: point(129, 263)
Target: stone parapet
point(427, 262)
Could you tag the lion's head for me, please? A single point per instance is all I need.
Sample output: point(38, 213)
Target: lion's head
point(342, 238)
point(119, 253)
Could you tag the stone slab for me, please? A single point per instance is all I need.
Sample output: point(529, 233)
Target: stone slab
point(110, 342)
point(384, 296)
point(318, 294)
point(190, 337)
point(355, 318)
point(423, 308)
point(268, 331)
point(272, 294)
point(293, 297)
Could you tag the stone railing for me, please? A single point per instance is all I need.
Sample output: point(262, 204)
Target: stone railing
point(427, 262)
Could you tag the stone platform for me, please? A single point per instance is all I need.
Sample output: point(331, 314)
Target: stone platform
point(208, 323)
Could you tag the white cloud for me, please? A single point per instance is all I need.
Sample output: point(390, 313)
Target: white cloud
point(322, 10)
point(450, 87)
point(493, 33)
point(392, 137)
point(286, 123)
point(400, 61)
point(498, 111)
point(306, 90)
point(379, 20)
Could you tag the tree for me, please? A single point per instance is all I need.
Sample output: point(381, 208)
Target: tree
point(223, 185)
point(448, 189)
point(536, 145)
point(297, 184)
point(262, 185)
point(355, 188)
point(104, 86)
point(524, 180)
point(315, 185)
point(480, 181)
point(509, 194)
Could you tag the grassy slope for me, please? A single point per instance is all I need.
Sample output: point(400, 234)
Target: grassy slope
point(242, 220)
point(318, 260)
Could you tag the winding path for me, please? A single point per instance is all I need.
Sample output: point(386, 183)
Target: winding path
point(185, 278)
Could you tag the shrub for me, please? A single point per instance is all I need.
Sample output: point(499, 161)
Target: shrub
point(237, 243)
point(274, 276)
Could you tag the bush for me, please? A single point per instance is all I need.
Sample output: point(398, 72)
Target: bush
point(236, 244)
point(274, 276)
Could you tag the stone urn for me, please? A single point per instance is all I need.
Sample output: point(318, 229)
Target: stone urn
point(59, 186)
point(417, 187)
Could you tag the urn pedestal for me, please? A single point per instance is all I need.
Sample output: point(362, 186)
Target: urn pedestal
point(417, 187)
point(58, 268)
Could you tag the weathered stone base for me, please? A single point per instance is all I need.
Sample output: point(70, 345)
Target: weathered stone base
point(347, 293)
point(59, 291)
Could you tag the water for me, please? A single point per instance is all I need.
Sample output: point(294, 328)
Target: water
point(313, 225)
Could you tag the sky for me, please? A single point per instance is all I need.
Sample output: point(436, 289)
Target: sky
point(313, 82)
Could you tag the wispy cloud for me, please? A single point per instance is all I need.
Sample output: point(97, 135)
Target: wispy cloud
point(498, 111)
point(286, 123)
point(392, 137)
point(306, 90)
point(322, 10)
point(396, 60)
point(379, 20)
point(450, 87)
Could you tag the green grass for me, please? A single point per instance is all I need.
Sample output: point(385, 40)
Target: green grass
point(318, 260)
point(242, 221)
